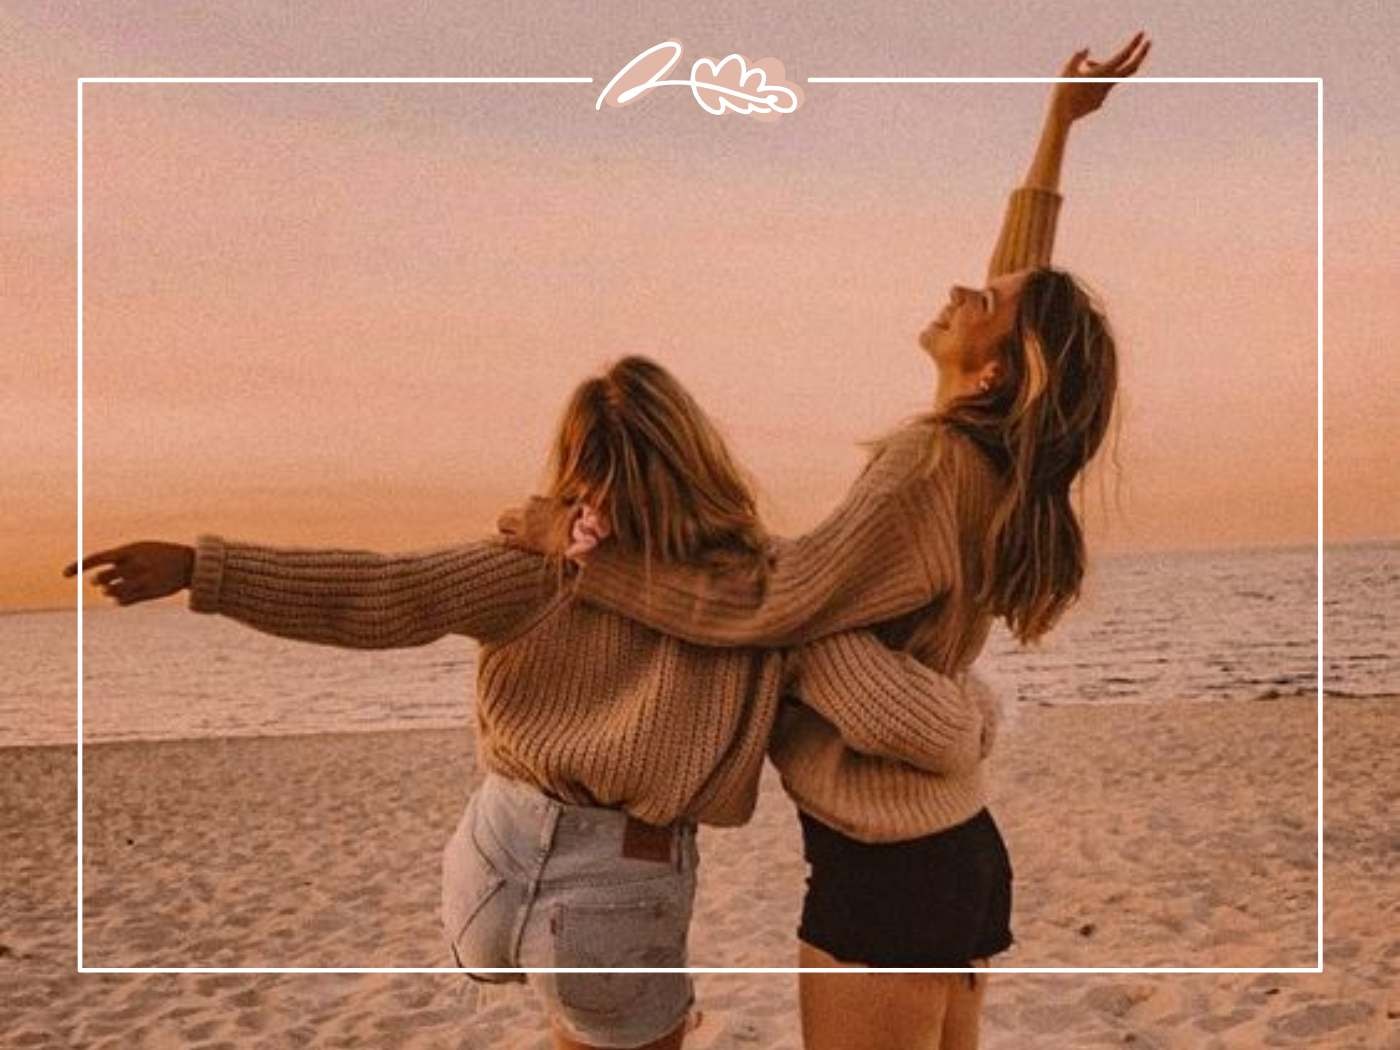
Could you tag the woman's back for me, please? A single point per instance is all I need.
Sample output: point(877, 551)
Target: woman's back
point(948, 635)
point(595, 709)
point(586, 705)
point(877, 799)
point(589, 707)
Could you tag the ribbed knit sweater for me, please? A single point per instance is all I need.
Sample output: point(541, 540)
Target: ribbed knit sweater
point(595, 708)
point(902, 552)
point(590, 707)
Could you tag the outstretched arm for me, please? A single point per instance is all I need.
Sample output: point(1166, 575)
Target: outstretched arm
point(887, 550)
point(354, 599)
point(1027, 234)
point(888, 704)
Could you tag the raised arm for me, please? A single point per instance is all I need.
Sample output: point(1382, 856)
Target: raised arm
point(354, 599)
point(888, 704)
point(1027, 235)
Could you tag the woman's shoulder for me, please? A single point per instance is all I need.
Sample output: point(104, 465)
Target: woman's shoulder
point(898, 455)
point(927, 447)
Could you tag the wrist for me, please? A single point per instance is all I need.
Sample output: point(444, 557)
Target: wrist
point(1058, 119)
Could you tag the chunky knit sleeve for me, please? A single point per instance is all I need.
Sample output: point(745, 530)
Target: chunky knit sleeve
point(362, 600)
point(887, 704)
point(887, 550)
point(1027, 232)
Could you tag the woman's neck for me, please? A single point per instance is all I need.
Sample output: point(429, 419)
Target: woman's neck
point(948, 387)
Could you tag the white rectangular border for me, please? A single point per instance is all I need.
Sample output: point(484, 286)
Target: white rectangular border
point(1318, 81)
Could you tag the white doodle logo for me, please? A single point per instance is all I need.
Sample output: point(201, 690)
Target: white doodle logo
point(732, 84)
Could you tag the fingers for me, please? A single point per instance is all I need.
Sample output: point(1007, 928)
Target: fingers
point(511, 521)
point(1124, 64)
point(114, 585)
point(127, 592)
point(1126, 50)
point(127, 578)
point(107, 557)
point(1071, 68)
point(1132, 66)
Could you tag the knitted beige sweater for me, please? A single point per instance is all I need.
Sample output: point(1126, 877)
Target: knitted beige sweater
point(590, 707)
point(918, 534)
point(596, 708)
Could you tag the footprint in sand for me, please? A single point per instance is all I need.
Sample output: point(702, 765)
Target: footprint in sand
point(1116, 1000)
point(1216, 1025)
point(1319, 1019)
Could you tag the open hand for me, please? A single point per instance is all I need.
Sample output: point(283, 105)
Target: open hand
point(532, 526)
point(139, 572)
point(1071, 101)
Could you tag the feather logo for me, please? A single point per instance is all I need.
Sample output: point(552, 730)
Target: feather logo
point(730, 85)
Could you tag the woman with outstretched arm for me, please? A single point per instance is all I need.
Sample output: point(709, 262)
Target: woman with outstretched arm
point(971, 504)
point(605, 740)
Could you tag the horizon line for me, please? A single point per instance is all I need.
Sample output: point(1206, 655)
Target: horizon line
point(1239, 548)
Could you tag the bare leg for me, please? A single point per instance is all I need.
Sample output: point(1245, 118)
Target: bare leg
point(670, 1041)
point(962, 1024)
point(871, 1011)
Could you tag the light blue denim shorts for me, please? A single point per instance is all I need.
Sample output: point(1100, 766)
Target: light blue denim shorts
point(532, 882)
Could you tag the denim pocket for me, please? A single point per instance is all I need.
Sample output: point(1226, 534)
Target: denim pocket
point(474, 908)
point(646, 932)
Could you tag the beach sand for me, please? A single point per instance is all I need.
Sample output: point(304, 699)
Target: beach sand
point(1175, 834)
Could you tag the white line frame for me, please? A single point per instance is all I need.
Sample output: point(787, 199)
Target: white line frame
point(1316, 81)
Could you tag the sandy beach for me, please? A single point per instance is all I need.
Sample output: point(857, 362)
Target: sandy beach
point(1178, 834)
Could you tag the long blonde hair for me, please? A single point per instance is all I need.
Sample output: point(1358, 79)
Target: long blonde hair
point(1041, 426)
point(635, 445)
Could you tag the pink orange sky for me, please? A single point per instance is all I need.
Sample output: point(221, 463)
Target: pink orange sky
point(350, 314)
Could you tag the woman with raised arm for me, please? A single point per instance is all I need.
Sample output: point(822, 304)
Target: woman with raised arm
point(972, 501)
point(603, 740)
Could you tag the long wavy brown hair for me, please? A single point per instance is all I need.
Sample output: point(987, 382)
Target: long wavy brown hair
point(634, 445)
point(1041, 425)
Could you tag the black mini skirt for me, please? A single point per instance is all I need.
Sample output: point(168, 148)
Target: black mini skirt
point(940, 900)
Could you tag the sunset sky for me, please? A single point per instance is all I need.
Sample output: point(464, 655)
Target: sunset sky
point(351, 314)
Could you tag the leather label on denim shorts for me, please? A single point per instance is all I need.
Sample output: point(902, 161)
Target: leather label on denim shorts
point(646, 842)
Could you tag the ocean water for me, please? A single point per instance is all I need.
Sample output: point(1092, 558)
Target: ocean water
point(1151, 628)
